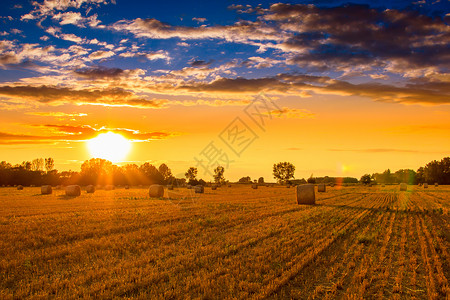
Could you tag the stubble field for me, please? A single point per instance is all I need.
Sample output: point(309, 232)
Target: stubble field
point(234, 242)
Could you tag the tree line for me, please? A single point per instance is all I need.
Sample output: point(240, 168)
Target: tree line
point(97, 171)
point(102, 172)
point(433, 172)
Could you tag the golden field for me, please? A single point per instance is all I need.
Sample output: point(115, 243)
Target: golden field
point(234, 242)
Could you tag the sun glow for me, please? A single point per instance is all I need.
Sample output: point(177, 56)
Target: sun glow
point(110, 146)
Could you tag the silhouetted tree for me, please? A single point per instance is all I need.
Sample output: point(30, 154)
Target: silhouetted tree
point(166, 173)
point(283, 171)
point(49, 164)
point(96, 171)
point(311, 179)
point(246, 179)
point(191, 174)
point(37, 164)
point(365, 179)
point(218, 175)
point(151, 173)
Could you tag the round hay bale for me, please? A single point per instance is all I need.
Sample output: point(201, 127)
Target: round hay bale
point(321, 188)
point(73, 190)
point(127, 187)
point(306, 194)
point(425, 185)
point(90, 189)
point(46, 190)
point(170, 187)
point(403, 187)
point(156, 191)
point(436, 184)
point(254, 186)
point(214, 187)
point(109, 187)
point(199, 189)
point(19, 187)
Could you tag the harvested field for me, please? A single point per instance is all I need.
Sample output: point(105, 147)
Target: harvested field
point(357, 242)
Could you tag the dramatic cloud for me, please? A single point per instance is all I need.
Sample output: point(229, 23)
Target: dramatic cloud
point(48, 7)
point(99, 72)
point(56, 95)
point(160, 54)
point(55, 114)
point(239, 32)
point(66, 133)
point(76, 19)
point(101, 54)
point(353, 35)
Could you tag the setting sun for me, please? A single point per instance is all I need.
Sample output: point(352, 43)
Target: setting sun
point(110, 146)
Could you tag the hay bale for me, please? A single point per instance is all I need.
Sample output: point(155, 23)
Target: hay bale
point(403, 187)
point(436, 184)
point(425, 185)
point(109, 187)
point(229, 185)
point(46, 190)
point(214, 187)
point(156, 191)
point(254, 186)
point(73, 190)
point(321, 188)
point(199, 189)
point(127, 187)
point(19, 188)
point(170, 187)
point(90, 189)
point(306, 194)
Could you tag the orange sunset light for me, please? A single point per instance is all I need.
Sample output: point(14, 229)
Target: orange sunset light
point(111, 146)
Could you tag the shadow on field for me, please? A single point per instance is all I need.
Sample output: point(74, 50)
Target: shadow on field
point(386, 208)
point(65, 197)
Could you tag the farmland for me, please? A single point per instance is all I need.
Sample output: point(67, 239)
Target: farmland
point(233, 242)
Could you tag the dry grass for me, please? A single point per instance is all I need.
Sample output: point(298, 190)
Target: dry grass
point(356, 242)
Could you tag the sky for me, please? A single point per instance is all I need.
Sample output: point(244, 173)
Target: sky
point(336, 88)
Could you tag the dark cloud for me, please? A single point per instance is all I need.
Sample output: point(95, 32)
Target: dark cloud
point(52, 94)
point(99, 72)
point(200, 63)
point(427, 92)
point(358, 34)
